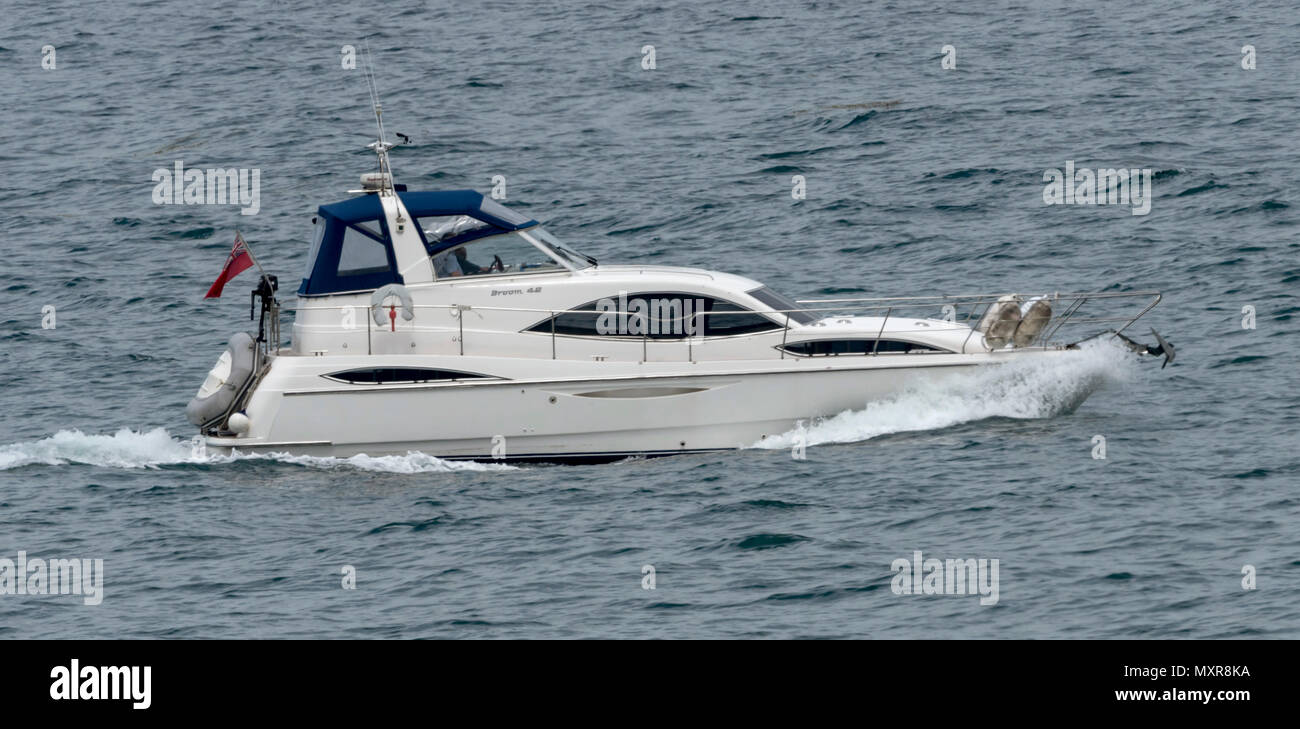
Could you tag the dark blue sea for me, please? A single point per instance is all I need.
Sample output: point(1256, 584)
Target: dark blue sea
point(920, 179)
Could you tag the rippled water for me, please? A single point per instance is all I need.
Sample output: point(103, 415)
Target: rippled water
point(919, 179)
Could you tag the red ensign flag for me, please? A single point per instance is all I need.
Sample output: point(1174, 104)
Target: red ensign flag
point(236, 263)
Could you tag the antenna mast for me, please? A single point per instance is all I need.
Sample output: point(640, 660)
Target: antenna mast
point(380, 145)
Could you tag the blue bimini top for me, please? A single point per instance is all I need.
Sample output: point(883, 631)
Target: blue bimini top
point(352, 250)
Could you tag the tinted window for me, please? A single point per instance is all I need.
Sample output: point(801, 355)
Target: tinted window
point(399, 375)
point(723, 322)
point(657, 316)
point(835, 347)
point(777, 302)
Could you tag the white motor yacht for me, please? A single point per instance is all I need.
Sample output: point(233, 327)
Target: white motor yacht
point(446, 323)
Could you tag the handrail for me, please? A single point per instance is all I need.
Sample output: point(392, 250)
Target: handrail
point(984, 298)
point(782, 312)
point(875, 347)
point(977, 304)
point(785, 334)
point(1074, 306)
point(943, 297)
point(1150, 306)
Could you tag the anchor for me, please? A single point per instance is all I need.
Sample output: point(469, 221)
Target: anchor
point(1161, 348)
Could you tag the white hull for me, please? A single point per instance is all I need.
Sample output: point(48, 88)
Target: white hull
point(630, 409)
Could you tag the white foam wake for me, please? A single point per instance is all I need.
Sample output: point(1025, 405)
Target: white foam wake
point(1031, 387)
point(135, 449)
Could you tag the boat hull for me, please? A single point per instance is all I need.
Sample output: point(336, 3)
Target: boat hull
point(629, 411)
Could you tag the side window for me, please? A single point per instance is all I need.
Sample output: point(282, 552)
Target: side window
point(572, 323)
point(361, 254)
point(836, 347)
point(831, 347)
point(317, 236)
point(728, 319)
point(657, 316)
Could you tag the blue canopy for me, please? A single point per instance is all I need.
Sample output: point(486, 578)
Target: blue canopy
point(369, 262)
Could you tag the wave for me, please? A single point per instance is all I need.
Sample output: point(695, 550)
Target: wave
point(155, 448)
point(1025, 388)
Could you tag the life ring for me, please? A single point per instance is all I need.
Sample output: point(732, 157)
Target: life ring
point(224, 381)
point(377, 303)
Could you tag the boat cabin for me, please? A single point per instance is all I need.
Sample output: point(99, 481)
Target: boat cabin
point(370, 241)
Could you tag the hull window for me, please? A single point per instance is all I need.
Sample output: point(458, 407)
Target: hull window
point(399, 375)
point(836, 347)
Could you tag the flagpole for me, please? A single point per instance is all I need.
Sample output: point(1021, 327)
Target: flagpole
point(257, 263)
point(268, 301)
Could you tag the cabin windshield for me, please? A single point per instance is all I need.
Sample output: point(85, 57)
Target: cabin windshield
point(507, 253)
point(778, 303)
point(572, 258)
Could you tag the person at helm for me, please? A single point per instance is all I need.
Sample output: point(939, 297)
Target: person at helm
point(455, 262)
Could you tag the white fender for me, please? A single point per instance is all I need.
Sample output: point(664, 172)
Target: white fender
point(224, 382)
point(1000, 321)
point(1034, 315)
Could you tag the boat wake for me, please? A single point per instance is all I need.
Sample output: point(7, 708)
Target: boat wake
point(1024, 389)
point(157, 448)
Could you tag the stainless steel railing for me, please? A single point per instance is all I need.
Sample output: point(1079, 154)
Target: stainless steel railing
point(950, 309)
point(978, 304)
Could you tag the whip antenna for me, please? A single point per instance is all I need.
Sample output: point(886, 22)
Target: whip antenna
point(380, 145)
